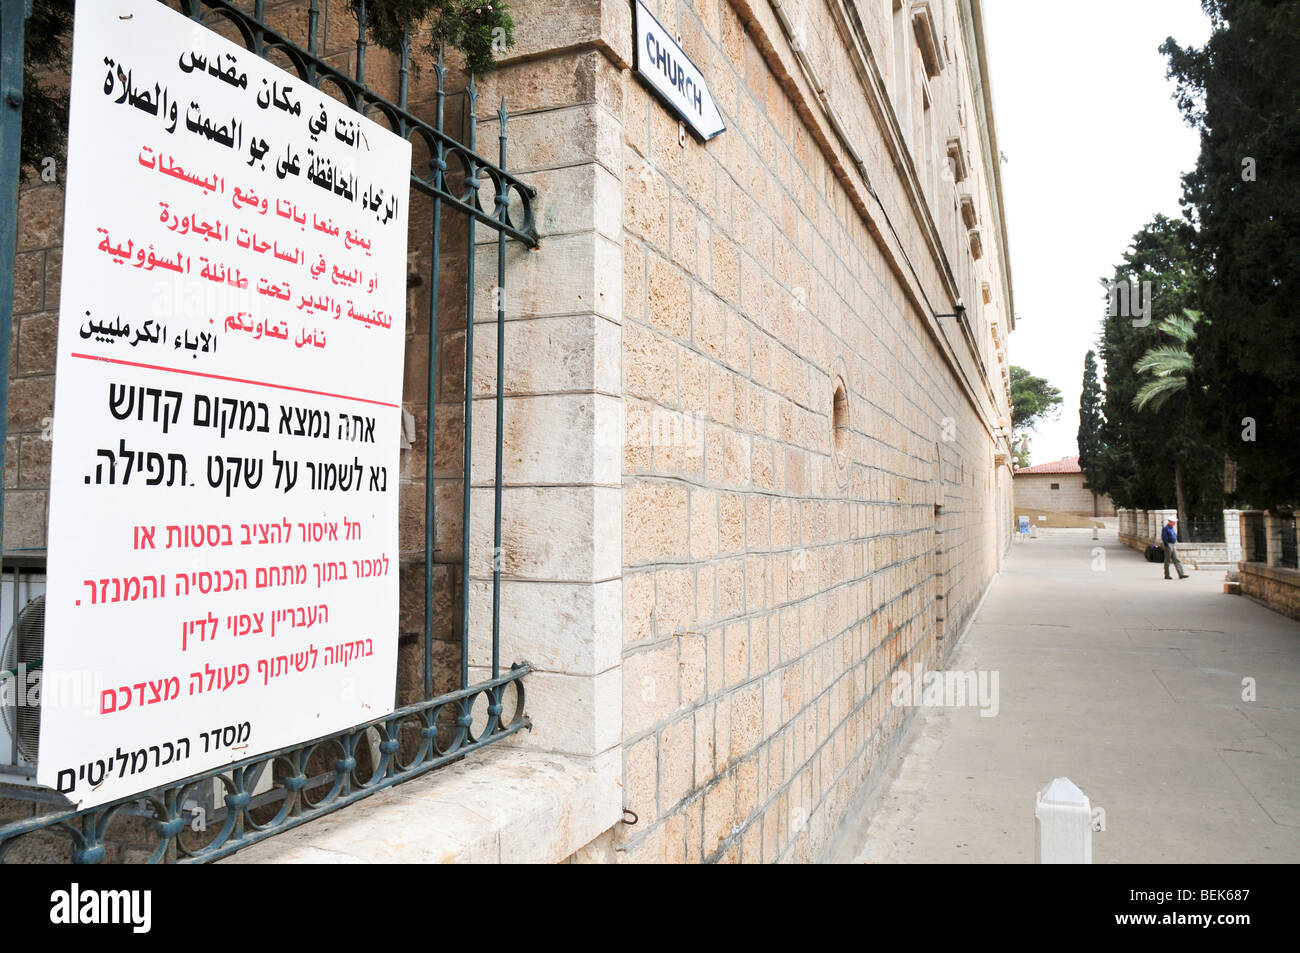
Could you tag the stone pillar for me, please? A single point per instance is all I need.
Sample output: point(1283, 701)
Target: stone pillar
point(1248, 520)
point(1273, 531)
point(562, 547)
point(1232, 535)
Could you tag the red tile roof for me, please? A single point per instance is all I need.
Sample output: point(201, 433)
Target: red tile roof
point(1066, 465)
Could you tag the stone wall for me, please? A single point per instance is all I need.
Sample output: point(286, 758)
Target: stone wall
point(749, 472)
point(1267, 582)
point(1138, 529)
point(1275, 587)
point(1035, 490)
point(31, 389)
point(808, 489)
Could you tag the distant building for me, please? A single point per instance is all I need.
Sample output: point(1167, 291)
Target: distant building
point(1060, 486)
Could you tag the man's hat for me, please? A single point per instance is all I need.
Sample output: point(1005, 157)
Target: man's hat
point(1173, 519)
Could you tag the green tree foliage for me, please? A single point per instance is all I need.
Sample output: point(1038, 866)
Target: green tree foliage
point(478, 30)
point(1165, 371)
point(45, 105)
point(1145, 454)
point(1242, 91)
point(1020, 451)
point(1033, 400)
point(1090, 418)
point(1167, 366)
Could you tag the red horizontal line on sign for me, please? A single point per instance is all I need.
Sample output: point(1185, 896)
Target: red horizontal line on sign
point(235, 380)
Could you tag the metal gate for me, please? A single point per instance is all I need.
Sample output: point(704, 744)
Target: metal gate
point(272, 792)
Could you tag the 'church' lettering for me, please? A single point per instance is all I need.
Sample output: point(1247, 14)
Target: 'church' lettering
point(661, 56)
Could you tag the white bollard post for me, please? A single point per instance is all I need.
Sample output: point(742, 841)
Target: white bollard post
point(1062, 824)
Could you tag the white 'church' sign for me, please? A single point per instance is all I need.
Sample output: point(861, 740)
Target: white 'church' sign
point(665, 68)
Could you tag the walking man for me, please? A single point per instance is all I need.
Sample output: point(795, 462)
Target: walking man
point(1169, 536)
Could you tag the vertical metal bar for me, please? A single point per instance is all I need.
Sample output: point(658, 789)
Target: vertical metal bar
point(13, 738)
point(361, 44)
point(259, 14)
point(13, 23)
point(471, 101)
point(439, 164)
point(313, 21)
point(502, 198)
point(403, 75)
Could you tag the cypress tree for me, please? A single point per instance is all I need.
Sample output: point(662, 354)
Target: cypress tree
point(1242, 91)
point(1090, 419)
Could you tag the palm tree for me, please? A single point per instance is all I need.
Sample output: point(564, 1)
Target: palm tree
point(1020, 451)
point(1169, 366)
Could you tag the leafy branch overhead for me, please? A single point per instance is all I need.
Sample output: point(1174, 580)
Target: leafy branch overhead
point(477, 30)
point(45, 106)
point(1033, 399)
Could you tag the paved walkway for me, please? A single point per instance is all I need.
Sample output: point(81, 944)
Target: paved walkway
point(1126, 684)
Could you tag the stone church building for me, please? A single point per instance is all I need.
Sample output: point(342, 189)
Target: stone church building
point(756, 425)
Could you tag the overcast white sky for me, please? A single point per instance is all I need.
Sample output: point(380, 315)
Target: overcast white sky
point(1095, 146)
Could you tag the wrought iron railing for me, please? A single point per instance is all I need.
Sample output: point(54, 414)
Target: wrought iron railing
point(1258, 537)
point(1289, 559)
point(278, 790)
point(1202, 531)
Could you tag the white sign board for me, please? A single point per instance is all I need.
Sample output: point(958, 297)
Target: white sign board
point(661, 63)
point(223, 513)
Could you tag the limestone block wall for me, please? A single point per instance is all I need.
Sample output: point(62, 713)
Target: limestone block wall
point(1269, 582)
point(1277, 588)
point(37, 266)
point(809, 498)
point(1138, 529)
point(1035, 490)
point(748, 473)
